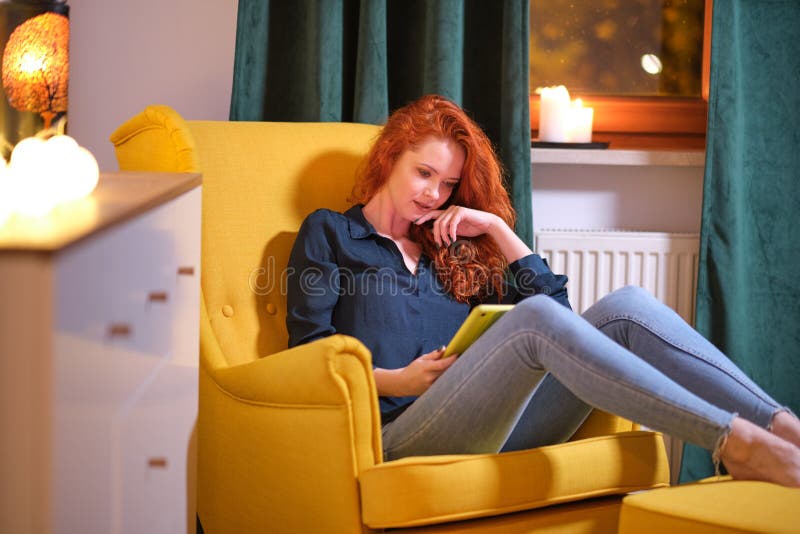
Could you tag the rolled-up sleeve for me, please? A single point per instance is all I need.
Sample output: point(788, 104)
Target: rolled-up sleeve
point(531, 275)
point(312, 283)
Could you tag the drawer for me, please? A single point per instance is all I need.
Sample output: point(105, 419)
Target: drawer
point(136, 285)
point(154, 453)
point(124, 457)
point(92, 382)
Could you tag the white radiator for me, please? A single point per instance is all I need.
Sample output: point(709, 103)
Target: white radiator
point(599, 261)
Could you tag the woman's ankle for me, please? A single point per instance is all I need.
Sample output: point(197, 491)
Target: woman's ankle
point(751, 453)
point(736, 447)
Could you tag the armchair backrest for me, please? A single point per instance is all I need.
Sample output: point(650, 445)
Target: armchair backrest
point(260, 180)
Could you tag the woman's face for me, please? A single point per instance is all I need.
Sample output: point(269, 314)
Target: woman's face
point(424, 177)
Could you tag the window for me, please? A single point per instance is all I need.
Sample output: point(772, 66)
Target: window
point(642, 64)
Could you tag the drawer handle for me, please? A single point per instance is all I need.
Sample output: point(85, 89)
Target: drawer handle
point(186, 271)
point(158, 462)
point(119, 330)
point(157, 296)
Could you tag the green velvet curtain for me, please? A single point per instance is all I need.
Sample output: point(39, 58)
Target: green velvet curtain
point(357, 60)
point(748, 296)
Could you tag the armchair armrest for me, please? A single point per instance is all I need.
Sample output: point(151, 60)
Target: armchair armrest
point(326, 372)
point(296, 426)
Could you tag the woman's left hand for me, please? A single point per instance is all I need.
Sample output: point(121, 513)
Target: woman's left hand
point(458, 220)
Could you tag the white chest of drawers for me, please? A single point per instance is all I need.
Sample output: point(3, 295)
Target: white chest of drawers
point(99, 307)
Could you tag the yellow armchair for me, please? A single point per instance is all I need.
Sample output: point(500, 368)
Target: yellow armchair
point(289, 440)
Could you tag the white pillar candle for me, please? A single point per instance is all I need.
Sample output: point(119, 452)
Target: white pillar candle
point(554, 114)
point(580, 129)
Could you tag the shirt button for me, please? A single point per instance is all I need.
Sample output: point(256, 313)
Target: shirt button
point(227, 310)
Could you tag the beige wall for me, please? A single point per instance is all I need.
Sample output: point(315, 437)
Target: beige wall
point(126, 54)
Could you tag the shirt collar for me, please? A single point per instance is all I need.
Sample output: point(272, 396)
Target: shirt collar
point(358, 225)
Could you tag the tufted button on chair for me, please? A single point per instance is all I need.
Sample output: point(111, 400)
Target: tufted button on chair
point(289, 440)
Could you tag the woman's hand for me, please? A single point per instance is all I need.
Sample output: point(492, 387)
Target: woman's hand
point(457, 220)
point(420, 374)
point(460, 221)
point(414, 379)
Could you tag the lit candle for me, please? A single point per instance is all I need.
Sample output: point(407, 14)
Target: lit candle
point(554, 114)
point(580, 128)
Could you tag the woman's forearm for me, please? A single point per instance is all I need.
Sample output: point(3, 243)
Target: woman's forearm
point(512, 247)
point(389, 382)
point(413, 379)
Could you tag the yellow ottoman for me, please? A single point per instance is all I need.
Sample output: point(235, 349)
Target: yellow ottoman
point(734, 506)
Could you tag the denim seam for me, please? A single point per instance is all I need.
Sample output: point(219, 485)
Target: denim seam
point(740, 379)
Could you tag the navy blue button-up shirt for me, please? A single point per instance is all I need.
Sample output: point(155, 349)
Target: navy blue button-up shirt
point(343, 277)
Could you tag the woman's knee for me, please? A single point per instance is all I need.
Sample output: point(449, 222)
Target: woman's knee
point(541, 309)
point(539, 304)
point(628, 297)
point(634, 292)
point(625, 301)
point(539, 317)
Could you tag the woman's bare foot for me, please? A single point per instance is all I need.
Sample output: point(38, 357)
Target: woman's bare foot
point(752, 453)
point(787, 426)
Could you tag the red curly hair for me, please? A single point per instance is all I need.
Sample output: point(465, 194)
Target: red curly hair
point(470, 270)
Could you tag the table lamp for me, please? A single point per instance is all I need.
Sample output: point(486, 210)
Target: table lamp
point(34, 36)
point(36, 66)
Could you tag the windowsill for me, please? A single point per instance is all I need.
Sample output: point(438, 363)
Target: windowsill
point(658, 158)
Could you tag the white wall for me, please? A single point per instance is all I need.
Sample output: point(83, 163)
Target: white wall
point(126, 54)
point(626, 197)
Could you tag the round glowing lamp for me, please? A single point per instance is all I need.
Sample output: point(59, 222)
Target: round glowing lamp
point(45, 173)
point(36, 66)
point(80, 174)
point(29, 169)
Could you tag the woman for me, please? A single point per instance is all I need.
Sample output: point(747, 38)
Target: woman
point(430, 236)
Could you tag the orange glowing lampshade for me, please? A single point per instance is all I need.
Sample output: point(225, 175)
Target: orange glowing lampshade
point(36, 66)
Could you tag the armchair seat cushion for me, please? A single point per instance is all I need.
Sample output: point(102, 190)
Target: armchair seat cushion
point(426, 490)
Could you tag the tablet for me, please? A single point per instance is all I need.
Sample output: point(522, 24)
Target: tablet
point(479, 319)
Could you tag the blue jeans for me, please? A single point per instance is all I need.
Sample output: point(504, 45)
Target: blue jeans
point(534, 376)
